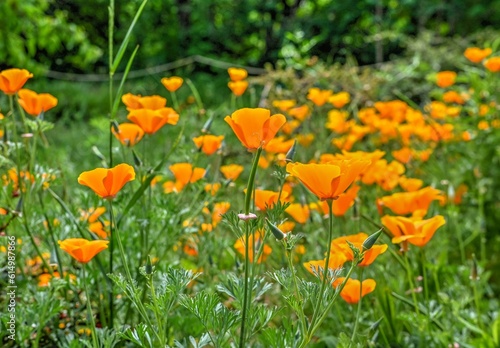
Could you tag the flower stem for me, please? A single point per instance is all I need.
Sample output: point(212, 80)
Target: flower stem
point(302, 317)
point(89, 308)
point(358, 312)
point(248, 199)
point(409, 272)
point(111, 249)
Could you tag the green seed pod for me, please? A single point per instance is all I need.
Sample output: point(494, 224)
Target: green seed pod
point(149, 266)
point(370, 241)
point(291, 153)
point(276, 231)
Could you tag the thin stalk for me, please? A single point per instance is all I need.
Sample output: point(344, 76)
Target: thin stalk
point(89, 308)
point(174, 101)
point(409, 273)
point(248, 199)
point(358, 312)
point(157, 312)
point(302, 317)
point(111, 296)
point(111, 26)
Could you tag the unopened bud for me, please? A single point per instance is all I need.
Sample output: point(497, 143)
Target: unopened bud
point(19, 207)
point(291, 153)
point(149, 266)
point(207, 125)
point(137, 160)
point(98, 153)
point(474, 276)
point(275, 230)
point(115, 126)
point(370, 241)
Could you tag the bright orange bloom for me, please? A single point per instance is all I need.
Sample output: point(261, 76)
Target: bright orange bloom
point(403, 203)
point(476, 55)
point(12, 80)
point(493, 64)
point(318, 96)
point(237, 74)
point(34, 103)
point(290, 126)
point(185, 173)
point(345, 201)
point(354, 288)
point(219, 209)
point(410, 185)
point(403, 155)
point(255, 241)
point(300, 112)
point(340, 99)
point(284, 105)
point(299, 212)
point(231, 171)
point(255, 127)
point(238, 87)
point(337, 121)
point(81, 249)
point(173, 83)
point(107, 182)
point(98, 228)
point(212, 188)
point(414, 230)
point(92, 214)
point(328, 181)
point(483, 125)
point(340, 245)
point(44, 278)
point(131, 101)
point(316, 267)
point(305, 139)
point(152, 120)
point(279, 145)
point(265, 199)
point(153, 102)
point(453, 97)
point(446, 78)
point(209, 144)
point(128, 134)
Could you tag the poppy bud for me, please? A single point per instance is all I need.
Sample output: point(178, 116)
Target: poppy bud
point(207, 125)
point(370, 241)
point(474, 276)
point(291, 153)
point(149, 266)
point(98, 153)
point(137, 160)
point(275, 230)
point(115, 126)
point(19, 207)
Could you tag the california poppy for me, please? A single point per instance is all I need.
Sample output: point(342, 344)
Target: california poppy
point(209, 144)
point(255, 241)
point(106, 183)
point(446, 78)
point(237, 74)
point(493, 64)
point(152, 120)
point(173, 83)
point(128, 134)
point(284, 105)
point(476, 55)
point(403, 203)
point(300, 112)
point(328, 181)
point(185, 173)
point(354, 289)
point(231, 171)
point(131, 101)
point(340, 99)
point(93, 214)
point(341, 245)
point(219, 209)
point(81, 249)
point(238, 87)
point(255, 127)
point(34, 103)
point(414, 230)
point(319, 96)
point(12, 80)
point(410, 184)
point(299, 212)
point(265, 199)
point(316, 267)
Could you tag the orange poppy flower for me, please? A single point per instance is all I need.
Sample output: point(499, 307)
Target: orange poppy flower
point(318, 96)
point(279, 145)
point(344, 202)
point(92, 214)
point(328, 181)
point(316, 267)
point(493, 64)
point(255, 127)
point(403, 203)
point(337, 121)
point(354, 289)
point(212, 188)
point(106, 183)
point(131, 101)
point(152, 102)
point(44, 278)
point(12, 80)
point(403, 155)
point(340, 99)
point(152, 120)
point(98, 228)
point(409, 184)
point(340, 245)
point(237, 74)
point(305, 139)
point(209, 144)
point(446, 78)
point(284, 105)
point(34, 103)
point(300, 112)
point(453, 97)
point(231, 171)
point(414, 230)
point(173, 83)
point(185, 173)
point(255, 241)
point(265, 199)
point(128, 134)
point(238, 87)
point(81, 249)
point(476, 55)
point(299, 212)
point(219, 209)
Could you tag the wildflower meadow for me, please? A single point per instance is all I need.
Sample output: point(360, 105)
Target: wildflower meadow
point(320, 205)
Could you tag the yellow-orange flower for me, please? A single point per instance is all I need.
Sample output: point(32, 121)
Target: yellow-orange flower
point(446, 78)
point(354, 288)
point(238, 87)
point(328, 181)
point(131, 101)
point(152, 120)
point(106, 183)
point(300, 112)
point(209, 144)
point(173, 83)
point(219, 209)
point(128, 134)
point(410, 184)
point(12, 80)
point(254, 241)
point(476, 55)
point(340, 99)
point(34, 103)
point(81, 249)
point(344, 202)
point(414, 230)
point(231, 171)
point(403, 203)
point(319, 96)
point(237, 74)
point(185, 173)
point(152, 102)
point(316, 267)
point(255, 127)
point(92, 214)
point(340, 245)
point(284, 105)
point(493, 64)
point(299, 212)
point(265, 199)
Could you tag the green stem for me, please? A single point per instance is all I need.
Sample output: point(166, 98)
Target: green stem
point(358, 312)
point(409, 273)
point(301, 315)
point(111, 296)
point(174, 101)
point(157, 312)
point(248, 199)
point(111, 25)
point(89, 308)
